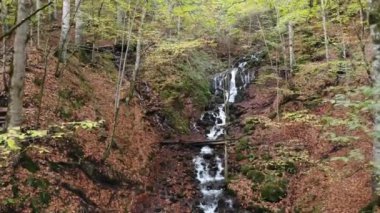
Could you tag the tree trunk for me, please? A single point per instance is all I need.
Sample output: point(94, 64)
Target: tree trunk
point(78, 22)
point(344, 52)
point(19, 63)
point(119, 85)
point(323, 9)
point(55, 11)
point(375, 33)
point(138, 56)
point(3, 15)
point(42, 89)
point(95, 36)
point(38, 15)
point(64, 31)
point(291, 49)
point(178, 26)
point(3, 18)
point(119, 15)
point(264, 39)
point(282, 39)
point(250, 30)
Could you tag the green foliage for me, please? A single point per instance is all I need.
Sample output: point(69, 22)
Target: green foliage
point(27, 163)
point(353, 155)
point(256, 176)
point(42, 198)
point(274, 191)
point(240, 156)
point(339, 139)
point(302, 116)
point(243, 144)
point(10, 142)
point(179, 71)
point(176, 120)
point(245, 169)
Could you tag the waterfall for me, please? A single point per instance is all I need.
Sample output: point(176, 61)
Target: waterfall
point(228, 85)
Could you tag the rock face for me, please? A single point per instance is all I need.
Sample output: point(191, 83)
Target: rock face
point(227, 88)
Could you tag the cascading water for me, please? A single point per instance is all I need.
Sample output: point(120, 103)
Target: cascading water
point(209, 166)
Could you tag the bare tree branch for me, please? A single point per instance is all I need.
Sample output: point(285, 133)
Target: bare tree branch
point(24, 20)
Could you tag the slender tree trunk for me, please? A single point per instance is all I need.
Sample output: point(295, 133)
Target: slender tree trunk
point(3, 18)
point(138, 56)
point(282, 39)
point(119, 15)
point(78, 22)
point(31, 34)
point(38, 15)
point(324, 23)
point(264, 39)
point(64, 31)
point(291, 48)
point(19, 63)
point(360, 34)
point(344, 52)
point(375, 32)
point(118, 87)
point(362, 19)
point(178, 26)
point(5, 82)
point(42, 89)
point(55, 11)
point(250, 31)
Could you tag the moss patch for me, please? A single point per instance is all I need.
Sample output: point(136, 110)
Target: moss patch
point(273, 191)
point(179, 71)
point(256, 176)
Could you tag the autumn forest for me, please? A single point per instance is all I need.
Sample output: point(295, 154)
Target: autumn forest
point(198, 106)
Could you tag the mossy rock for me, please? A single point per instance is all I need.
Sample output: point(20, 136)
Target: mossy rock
point(273, 191)
point(256, 176)
point(240, 156)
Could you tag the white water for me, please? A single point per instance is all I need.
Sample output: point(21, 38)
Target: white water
point(208, 164)
point(208, 177)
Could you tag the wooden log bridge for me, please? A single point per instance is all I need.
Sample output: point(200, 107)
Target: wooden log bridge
point(200, 143)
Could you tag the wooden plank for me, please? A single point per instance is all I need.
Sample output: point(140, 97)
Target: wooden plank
point(200, 143)
point(3, 109)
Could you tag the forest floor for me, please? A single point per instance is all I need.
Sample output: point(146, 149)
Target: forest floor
point(320, 174)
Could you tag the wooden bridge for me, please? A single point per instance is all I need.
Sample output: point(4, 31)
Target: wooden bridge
point(202, 142)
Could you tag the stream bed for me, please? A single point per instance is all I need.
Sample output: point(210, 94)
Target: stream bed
point(227, 87)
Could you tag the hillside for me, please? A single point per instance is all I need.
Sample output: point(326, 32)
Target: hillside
point(220, 106)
